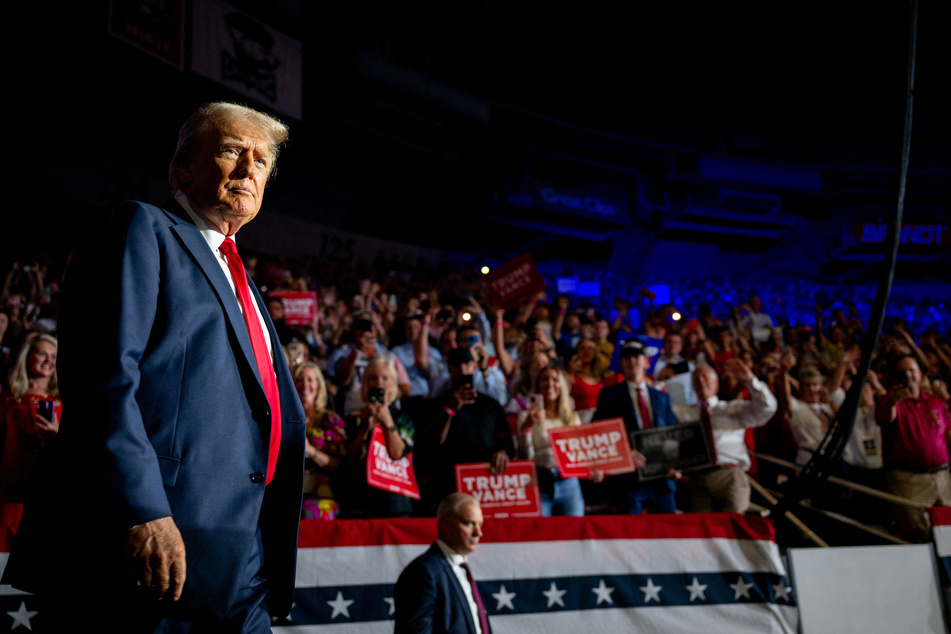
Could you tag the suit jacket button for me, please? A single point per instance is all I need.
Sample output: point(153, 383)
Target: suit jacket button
point(257, 477)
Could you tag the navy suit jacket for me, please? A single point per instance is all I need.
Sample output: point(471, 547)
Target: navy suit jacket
point(429, 598)
point(616, 402)
point(164, 415)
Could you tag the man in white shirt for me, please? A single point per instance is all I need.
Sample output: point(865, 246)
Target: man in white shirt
point(436, 591)
point(726, 487)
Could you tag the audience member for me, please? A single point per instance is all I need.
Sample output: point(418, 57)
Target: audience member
point(29, 419)
point(550, 408)
point(915, 427)
point(725, 487)
point(357, 498)
point(326, 435)
point(641, 407)
point(460, 426)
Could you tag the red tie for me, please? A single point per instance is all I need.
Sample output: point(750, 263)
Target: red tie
point(259, 344)
point(708, 427)
point(483, 617)
point(645, 413)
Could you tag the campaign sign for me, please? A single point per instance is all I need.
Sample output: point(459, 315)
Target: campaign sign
point(299, 306)
point(684, 447)
point(396, 476)
point(514, 282)
point(513, 493)
point(597, 446)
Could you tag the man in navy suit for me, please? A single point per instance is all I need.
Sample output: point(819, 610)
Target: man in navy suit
point(435, 593)
point(641, 407)
point(173, 492)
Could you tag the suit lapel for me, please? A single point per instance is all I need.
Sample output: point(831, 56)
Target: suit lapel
point(629, 411)
point(659, 417)
point(195, 244)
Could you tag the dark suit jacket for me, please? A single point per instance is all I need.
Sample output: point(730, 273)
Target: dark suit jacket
point(616, 402)
point(429, 598)
point(164, 414)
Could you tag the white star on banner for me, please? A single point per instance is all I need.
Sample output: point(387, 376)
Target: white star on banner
point(697, 590)
point(741, 588)
point(340, 606)
point(604, 593)
point(651, 591)
point(22, 617)
point(504, 598)
point(781, 590)
point(390, 601)
point(554, 595)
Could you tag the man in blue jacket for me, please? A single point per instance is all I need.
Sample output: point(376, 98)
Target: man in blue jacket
point(436, 593)
point(172, 496)
point(641, 406)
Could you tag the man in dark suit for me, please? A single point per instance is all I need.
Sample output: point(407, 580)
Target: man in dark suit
point(436, 593)
point(183, 433)
point(641, 406)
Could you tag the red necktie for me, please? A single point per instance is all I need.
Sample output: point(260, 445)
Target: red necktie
point(708, 427)
point(483, 617)
point(645, 413)
point(258, 342)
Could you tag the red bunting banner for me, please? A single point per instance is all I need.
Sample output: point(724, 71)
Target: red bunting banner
point(513, 493)
point(597, 446)
point(396, 476)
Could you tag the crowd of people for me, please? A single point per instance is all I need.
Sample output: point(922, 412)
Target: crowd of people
point(425, 354)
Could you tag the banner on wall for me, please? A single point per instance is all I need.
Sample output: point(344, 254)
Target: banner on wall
point(239, 51)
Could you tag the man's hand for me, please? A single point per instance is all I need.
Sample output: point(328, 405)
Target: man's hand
point(155, 555)
point(738, 369)
point(500, 460)
point(461, 396)
point(640, 460)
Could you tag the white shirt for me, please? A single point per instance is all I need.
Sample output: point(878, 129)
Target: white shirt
point(214, 238)
point(455, 562)
point(730, 419)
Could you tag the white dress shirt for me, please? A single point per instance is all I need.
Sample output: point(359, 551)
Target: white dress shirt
point(214, 238)
point(730, 420)
point(455, 562)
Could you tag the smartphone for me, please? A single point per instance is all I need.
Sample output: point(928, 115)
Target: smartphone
point(377, 395)
point(466, 379)
point(534, 399)
point(900, 379)
point(45, 409)
point(472, 340)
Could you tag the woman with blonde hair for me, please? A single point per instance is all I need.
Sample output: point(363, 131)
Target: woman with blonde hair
point(29, 419)
point(380, 391)
point(325, 443)
point(551, 407)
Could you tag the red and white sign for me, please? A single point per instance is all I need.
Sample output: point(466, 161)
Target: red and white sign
point(514, 282)
point(597, 446)
point(383, 472)
point(299, 306)
point(513, 493)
